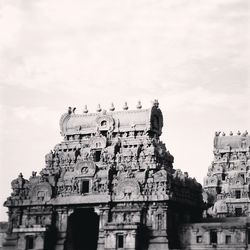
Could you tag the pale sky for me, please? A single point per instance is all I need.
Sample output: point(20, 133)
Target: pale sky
point(191, 55)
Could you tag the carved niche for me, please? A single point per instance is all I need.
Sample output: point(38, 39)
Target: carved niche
point(127, 189)
point(85, 168)
point(212, 181)
point(41, 192)
point(105, 122)
point(97, 142)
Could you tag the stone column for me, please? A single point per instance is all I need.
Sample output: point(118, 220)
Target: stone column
point(164, 218)
point(159, 240)
point(99, 212)
point(130, 240)
point(153, 219)
point(61, 224)
point(103, 219)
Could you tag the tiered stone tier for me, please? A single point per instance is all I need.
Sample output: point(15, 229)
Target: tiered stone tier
point(227, 184)
point(114, 163)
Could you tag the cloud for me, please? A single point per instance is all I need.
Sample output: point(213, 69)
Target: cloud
point(145, 43)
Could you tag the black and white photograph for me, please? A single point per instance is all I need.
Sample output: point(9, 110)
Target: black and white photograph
point(125, 124)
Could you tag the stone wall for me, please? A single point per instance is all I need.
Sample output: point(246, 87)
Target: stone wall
point(228, 233)
point(3, 230)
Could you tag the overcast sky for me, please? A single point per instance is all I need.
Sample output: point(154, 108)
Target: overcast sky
point(191, 55)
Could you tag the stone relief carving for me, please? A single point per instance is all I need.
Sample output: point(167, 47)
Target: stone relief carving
point(104, 156)
point(105, 122)
point(85, 168)
point(41, 192)
point(127, 189)
point(230, 168)
point(20, 187)
point(97, 142)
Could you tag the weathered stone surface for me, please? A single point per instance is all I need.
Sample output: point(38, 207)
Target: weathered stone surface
point(227, 182)
point(3, 231)
point(109, 184)
point(226, 195)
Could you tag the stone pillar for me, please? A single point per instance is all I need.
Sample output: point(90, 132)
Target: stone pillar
point(130, 240)
point(159, 239)
point(39, 243)
point(153, 208)
point(21, 242)
point(99, 212)
point(164, 218)
point(103, 219)
point(61, 224)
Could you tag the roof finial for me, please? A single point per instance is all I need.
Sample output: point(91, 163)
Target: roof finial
point(69, 110)
point(238, 133)
point(85, 110)
point(112, 107)
point(98, 109)
point(217, 133)
point(231, 133)
point(245, 133)
point(125, 106)
point(223, 134)
point(139, 106)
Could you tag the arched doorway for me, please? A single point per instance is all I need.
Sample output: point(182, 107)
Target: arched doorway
point(83, 229)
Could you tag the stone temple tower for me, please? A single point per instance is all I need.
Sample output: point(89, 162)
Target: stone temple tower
point(227, 183)
point(226, 222)
point(110, 184)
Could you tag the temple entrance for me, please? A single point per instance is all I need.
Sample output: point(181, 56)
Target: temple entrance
point(83, 229)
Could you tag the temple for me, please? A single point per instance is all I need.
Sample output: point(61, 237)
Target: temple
point(110, 184)
point(226, 217)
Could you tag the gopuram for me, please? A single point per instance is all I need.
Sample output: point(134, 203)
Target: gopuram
point(110, 184)
point(226, 217)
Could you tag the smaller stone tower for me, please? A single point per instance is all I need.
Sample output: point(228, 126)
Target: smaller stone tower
point(226, 218)
point(227, 183)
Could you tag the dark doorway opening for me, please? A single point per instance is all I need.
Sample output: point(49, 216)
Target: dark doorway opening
point(85, 187)
point(83, 229)
point(213, 237)
point(120, 241)
point(29, 242)
point(97, 156)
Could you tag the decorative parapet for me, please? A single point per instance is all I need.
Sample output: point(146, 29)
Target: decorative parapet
point(144, 120)
point(223, 142)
